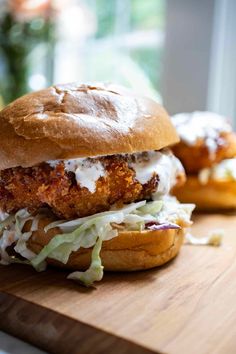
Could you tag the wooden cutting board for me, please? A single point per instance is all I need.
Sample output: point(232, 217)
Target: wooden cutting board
point(188, 306)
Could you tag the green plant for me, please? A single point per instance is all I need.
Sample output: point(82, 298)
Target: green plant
point(17, 40)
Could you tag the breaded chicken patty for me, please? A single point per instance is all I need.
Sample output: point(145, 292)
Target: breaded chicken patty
point(54, 185)
point(198, 156)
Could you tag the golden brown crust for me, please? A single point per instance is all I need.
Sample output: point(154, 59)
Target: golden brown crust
point(69, 121)
point(35, 187)
point(196, 157)
point(129, 251)
point(215, 195)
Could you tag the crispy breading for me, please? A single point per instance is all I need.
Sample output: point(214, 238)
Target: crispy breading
point(198, 156)
point(56, 188)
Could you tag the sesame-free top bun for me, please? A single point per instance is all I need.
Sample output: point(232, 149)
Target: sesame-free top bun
point(214, 195)
point(68, 121)
point(129, 251)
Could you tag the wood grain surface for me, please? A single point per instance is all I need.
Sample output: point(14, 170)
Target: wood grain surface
point(187, 306)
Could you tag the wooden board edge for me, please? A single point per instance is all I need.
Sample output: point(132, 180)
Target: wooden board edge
point(57, 333)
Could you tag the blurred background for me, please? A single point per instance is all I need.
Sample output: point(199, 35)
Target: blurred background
point(180, 52)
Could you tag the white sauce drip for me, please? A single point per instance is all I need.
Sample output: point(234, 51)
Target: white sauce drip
point(86, 171)
point(225, 170)
point(164, 164)
point(42, 116)
point(201, 125)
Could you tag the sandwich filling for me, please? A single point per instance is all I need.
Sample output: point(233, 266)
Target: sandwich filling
point(82, 187)
point(91, 200)
point(201, 126)
point(224, 171)
point(208, 146)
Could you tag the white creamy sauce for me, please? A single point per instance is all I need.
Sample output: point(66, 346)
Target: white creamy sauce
point(225, 170)
point(86, 171)
point(53, 163)
point(164, 164)
point(42, 116)
point(201, 125)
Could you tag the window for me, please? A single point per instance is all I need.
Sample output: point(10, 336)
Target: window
point(222, 76)
point(181, 52)
point(199, 62)
point(115, 40)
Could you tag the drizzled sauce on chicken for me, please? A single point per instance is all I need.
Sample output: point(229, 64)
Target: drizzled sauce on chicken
point(70, 190)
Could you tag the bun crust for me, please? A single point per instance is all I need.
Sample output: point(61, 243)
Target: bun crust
point(215, 195)
point(129, 251)
point(68, 121)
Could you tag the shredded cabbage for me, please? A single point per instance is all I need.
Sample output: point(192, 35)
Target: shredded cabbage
point(21, 217)
point(151, 207)
point(6, 222)
point(214, 238)
point(85, 235)
point(174, 212)
point(70, 225)
point(11, 229)
point(95, 271)
point(87, 232)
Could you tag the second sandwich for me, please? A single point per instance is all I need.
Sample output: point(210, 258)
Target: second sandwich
point(207, 151)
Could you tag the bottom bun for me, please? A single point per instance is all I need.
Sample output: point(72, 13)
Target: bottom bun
point(129, 251)
point(215, 195)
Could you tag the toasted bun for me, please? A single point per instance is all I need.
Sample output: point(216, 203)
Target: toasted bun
point(129, 251)
point(69, 121)
point(215, 195)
